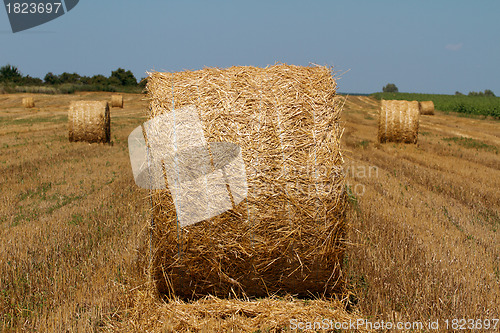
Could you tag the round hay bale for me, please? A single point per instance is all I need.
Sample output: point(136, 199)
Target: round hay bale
point(287, 236)
point(89, 121)
point(117, 101)
point(427, 107)
point(28, 102)
point(398, 121)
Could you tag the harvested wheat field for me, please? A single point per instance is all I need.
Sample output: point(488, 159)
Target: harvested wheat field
point(425, 217)
point(74, 228)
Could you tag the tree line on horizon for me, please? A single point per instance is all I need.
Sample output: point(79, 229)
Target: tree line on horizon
point(118, 80)
point(392, 88)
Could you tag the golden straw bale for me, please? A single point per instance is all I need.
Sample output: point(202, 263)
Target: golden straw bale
point(28, 102)
point(117, 101)
point(288, 235)
point(89, 121)
point(427, 107)
point(398, 121)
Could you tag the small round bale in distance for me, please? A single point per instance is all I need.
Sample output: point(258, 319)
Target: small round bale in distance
point(28, 102)
point(89, 121)
point(427, 107)
point(117, 101)
point(288, 235)
point(398, 121)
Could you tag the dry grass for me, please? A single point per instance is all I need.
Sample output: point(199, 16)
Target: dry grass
point(72, 224)
point(426, 221)
point(70, 216)
point(212, 314)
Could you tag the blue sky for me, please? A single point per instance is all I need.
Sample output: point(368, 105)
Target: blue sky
point(421, 46)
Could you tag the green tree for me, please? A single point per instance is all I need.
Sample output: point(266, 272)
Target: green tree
point(51, 79)
point(113, 81)
point(391, 88)
point(85, 80)
point(10, 73)
point(99, 80)
point(143, 82)
point(458, 93)
point(126, 78)
point(69, 78)
point(30, 81)
point(489, 93)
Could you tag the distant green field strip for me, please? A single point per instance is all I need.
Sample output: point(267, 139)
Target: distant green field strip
point(471, 143)
point(475, 105)
point(32, 120)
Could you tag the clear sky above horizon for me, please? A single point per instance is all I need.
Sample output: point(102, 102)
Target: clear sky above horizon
point(421, 46)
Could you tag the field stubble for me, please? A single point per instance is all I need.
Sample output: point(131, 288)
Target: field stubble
point(69, 219)
point(425, 225)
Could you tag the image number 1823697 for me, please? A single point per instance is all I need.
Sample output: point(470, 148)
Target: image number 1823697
point(25, 15)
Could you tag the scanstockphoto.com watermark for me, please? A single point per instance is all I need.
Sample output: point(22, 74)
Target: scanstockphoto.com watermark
point(316, 180)
point(363, 324)
point(359, 172)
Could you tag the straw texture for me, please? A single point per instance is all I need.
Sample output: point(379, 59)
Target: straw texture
point(89, 121)
point(28, 102)
point(287, 236)
point(117, 101)
point(427, 107)
point(212, 314)
point(398, 121)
